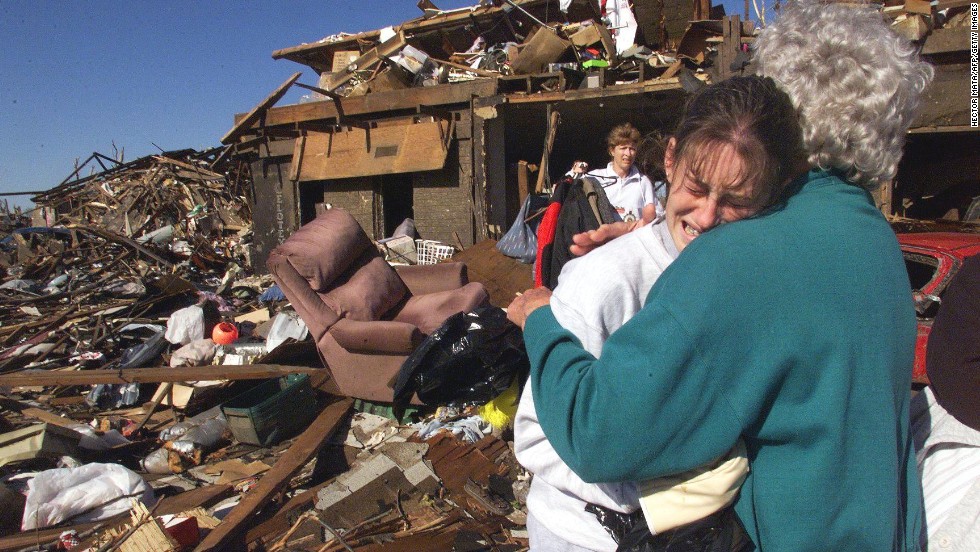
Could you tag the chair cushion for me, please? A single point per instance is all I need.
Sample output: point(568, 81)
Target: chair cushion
point(428, 312)
point(368, 290)
point(323, 249)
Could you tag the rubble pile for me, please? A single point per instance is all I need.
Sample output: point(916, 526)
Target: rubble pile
point(126, 244)
point(155, 396)
point(530, 46)
point(917, 19)
point(182, 196)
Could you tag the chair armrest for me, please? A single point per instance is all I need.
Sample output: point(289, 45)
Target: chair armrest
point(425, 279)
point(380, 336)
point(310, 306)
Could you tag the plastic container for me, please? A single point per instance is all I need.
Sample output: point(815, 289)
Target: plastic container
point(225, 333)
point(431, 252)
point(271, 411)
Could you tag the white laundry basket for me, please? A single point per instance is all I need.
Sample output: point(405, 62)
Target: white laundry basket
point(431, 252)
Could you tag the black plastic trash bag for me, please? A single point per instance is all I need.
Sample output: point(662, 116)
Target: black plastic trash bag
point(718, 532)
point(470, 359)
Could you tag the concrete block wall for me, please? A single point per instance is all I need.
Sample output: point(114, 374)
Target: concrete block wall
point(677, 16)
point(443, 205)
point(443, 200)
point(356, 195)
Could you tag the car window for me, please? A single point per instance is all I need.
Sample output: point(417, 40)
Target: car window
point(921, 268)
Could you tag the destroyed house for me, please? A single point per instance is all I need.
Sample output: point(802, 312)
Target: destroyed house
point(454, 117)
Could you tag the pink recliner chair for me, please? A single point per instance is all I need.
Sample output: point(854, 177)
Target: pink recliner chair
point(365, 316)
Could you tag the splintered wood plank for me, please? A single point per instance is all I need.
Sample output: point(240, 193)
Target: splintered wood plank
point(253, 116)
point(281, 521)
point(201, 497)
point(455, 461)
point(154, 375)
point(37, 413)
point(302, 450)
point(942, 41)
point(441, 538)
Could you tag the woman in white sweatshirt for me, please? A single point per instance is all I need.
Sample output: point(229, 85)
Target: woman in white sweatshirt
point(735, 148)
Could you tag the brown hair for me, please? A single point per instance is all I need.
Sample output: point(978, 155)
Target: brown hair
point(753, 116)
point(650, 156)
point(624, 133)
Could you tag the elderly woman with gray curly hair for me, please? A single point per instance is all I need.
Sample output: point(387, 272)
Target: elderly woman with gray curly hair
point(792, 330)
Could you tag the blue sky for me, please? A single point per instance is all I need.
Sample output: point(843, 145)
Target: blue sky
point(77, 77)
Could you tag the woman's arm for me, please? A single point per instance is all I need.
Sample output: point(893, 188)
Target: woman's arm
point(645, 408)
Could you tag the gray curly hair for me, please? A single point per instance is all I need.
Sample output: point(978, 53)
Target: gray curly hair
point(855, 83)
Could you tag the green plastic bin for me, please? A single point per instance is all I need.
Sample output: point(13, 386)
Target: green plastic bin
point(271, 411)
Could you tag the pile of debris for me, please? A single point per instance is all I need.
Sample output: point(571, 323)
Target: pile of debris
point(917, 19)
point(152, 389)
point(196, 197)
point(121, 247)
point(580, 45)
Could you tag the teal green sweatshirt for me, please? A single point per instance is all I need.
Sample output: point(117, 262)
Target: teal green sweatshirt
point(794, 330)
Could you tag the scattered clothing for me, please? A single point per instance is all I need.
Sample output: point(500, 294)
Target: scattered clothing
point(470, 429)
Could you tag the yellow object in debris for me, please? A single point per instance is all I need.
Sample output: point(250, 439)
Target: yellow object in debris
point(500, 411)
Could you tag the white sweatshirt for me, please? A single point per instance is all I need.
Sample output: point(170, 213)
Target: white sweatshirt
point(596, 294)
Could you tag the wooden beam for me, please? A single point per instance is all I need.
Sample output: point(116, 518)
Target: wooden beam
point(946, 4)
point(202, 172)
point(549, 142)
point(461, 67)
point(275, 480)
point(159, 374)
point(918, 6)
point(384, 103)
point(341, 118)
point(37, 413)
point(122, 240)
point(646, 87)
point(938, 129)
point(942, 41)
point(280, 522)
point(253, 116)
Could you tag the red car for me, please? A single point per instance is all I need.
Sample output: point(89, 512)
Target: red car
point(932, 258)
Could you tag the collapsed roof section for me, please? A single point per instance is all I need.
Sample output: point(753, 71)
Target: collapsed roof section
point(444, 34)
point(575, 44)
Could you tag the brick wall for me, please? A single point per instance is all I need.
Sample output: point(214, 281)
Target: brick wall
point(443, 206)
point(275, 214)
point(355, 195)
point(443, 200)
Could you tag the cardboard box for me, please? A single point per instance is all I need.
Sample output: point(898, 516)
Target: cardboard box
point(39, 440)
point(342, 59)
